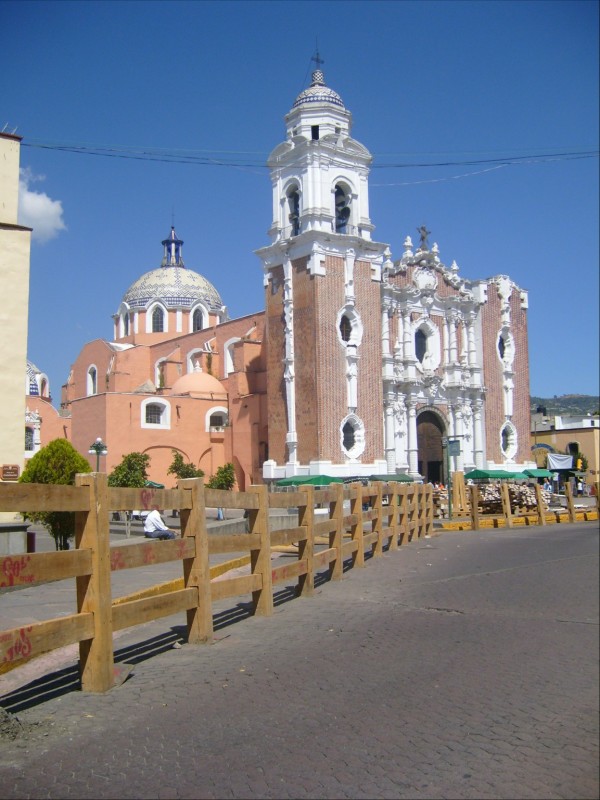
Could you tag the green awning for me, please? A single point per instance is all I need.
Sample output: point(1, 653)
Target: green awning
point(308, 480)
point(399, 477)
point(493, 474)
point(538, 473)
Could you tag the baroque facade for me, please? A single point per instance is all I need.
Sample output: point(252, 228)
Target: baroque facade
point(359, 364)
point(381, 361)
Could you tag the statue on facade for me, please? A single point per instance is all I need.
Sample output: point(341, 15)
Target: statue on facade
point(423, 233)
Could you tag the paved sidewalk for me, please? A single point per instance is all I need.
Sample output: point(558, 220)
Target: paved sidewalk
point(461, 666)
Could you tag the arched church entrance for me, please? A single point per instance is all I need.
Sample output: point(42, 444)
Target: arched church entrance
point(429, 442)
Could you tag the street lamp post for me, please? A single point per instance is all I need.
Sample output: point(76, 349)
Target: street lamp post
point(99, 448)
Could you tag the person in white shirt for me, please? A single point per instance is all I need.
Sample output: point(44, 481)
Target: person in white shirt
point(155, 528)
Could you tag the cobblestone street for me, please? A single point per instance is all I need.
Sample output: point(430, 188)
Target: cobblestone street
point(461, 666)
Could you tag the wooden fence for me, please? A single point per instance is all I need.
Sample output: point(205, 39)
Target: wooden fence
point(335, 524)
point(511, 513)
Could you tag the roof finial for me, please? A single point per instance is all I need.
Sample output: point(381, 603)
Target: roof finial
point(317, 76)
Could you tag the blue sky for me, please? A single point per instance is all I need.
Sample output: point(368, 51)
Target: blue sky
point(481, 117)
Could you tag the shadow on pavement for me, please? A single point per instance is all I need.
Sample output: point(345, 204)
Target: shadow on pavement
point(61, 682)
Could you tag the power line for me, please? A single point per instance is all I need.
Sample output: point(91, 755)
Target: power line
point(234, 158)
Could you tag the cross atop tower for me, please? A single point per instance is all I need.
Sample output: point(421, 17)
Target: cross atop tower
point(317, 59)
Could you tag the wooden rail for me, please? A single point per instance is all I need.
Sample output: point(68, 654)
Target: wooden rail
point(358, 519)
point(540, 515)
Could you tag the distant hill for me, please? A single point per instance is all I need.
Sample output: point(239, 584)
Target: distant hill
point(566, 404)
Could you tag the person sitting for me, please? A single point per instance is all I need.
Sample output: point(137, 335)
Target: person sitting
point(155, 528)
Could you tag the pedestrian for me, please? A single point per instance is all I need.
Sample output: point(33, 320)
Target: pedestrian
point(155, 528)
point(580, 487)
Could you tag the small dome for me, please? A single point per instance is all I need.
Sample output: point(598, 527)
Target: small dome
point(36, 382)
point(198, 382)
point(317, 92)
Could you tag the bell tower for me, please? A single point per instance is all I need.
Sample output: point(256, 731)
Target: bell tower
point(322, 277)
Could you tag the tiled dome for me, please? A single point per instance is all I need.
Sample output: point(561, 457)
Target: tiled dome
point(172, 283)
point(317, 92)
point(177, 287)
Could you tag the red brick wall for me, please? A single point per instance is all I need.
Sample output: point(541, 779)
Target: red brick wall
point(277, 414)
point(492, 373)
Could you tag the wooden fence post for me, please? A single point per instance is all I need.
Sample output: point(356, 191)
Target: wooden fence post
point(421, 510)
point(411, 501)
point(474, 490)
point(377, 549)
point(570, 503)
point(196, 570)
point(429, 510)
point(393, 519)
point(403, 514)
point(540, 504)
point(306, 548)
point(505, 495)
point(96, 659)
point(357, 529)
point(336, 537)
point(260, 559)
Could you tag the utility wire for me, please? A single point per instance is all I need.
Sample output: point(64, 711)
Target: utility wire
point(234, 158)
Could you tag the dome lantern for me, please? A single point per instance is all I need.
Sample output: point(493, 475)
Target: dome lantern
point(173, 246)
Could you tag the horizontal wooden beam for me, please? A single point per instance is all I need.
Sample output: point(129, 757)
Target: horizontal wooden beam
point(41, 637)
point(135, 612)
point(21, 570)
point(24, 497)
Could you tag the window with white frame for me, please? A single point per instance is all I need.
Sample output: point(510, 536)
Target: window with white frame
point(198, 319)
point(155, 414)
point(192, 357)
point(216, 418)
point(29, 441)
point(427, 344)
point(508, 440)
point(506, 347)
point(92, 380)
point(349, 326)
point(229, 347)
point(157, 320)
point(352, 436)
point(342, 208)
point(293, 202)
point(159, 373)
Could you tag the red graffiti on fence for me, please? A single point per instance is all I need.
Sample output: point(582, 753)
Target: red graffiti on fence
point(14, 568)
point(116, 559)
point(149, 554)
point(147, 497)
point(21, 647)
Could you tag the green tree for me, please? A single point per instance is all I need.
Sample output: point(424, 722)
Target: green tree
point(131, 472)
point(183, 469)
point(224, 478)
point(57, 463)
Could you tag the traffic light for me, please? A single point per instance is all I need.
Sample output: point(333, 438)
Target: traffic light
point(579, 463)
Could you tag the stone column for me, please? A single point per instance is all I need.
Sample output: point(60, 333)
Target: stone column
point(413, 449)
point(390, 434)
point(478, 434)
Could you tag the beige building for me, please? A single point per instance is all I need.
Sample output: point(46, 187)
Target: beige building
point(15, 242)
point(570, 434)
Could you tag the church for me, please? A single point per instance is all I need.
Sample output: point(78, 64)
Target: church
point(360, 363)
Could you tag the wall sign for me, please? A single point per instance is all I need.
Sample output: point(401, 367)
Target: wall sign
point(10, 472)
